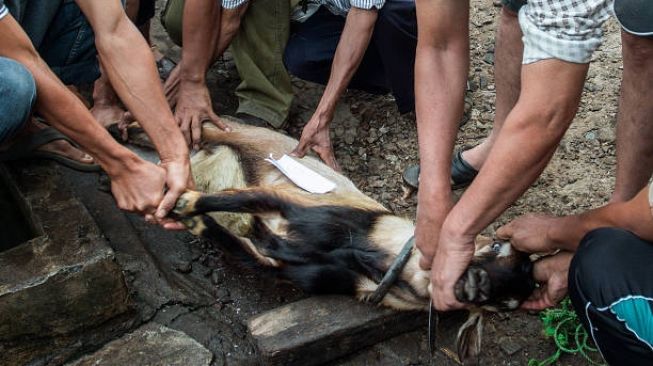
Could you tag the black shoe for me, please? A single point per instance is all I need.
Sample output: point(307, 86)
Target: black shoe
point(462, 174)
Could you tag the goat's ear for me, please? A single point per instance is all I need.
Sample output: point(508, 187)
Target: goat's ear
point(469, 339)
point(482, 241)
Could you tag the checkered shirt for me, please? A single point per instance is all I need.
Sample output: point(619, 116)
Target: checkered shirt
point(232, 4)
point(568, 30)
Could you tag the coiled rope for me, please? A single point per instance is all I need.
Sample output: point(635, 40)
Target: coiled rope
point(570, 337)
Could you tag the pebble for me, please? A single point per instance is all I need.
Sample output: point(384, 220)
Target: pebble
point(216, 278)
point(509, 345)
point(183, 267)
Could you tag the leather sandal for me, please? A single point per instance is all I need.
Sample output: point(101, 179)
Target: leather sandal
point(462, 173)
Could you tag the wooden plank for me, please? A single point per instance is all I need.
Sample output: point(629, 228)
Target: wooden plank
point(318, 329)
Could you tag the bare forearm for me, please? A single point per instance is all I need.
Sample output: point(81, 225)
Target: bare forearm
point(441, 67)
point(59, 106)
point(201, 30)
point(350, 51)
point(439, 107)
point(634, 215)
point(129, 64)
point(525, 144)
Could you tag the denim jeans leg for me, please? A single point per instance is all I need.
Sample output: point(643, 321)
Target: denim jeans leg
point(17, 96)
point(69, 46)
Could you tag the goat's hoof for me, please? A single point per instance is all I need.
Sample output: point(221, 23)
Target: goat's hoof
point(194, 224)
point(185, 205)
point(473, 286)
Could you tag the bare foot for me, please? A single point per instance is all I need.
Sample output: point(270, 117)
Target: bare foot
point(59, 147)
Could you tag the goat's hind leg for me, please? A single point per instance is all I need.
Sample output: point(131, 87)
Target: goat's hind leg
point(241, 248)
point(254, 201)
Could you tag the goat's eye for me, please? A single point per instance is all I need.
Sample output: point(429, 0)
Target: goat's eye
point(496, 247)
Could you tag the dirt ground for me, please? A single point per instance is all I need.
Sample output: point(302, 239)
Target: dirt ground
point(373, 144)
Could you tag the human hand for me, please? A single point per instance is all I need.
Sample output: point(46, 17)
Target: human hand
point(530, 233)
point(452, 257)
point(178, 180)
point(194, 107)
point(431, 213)
point(138, 187)
point(551, 273)
point(315, 136)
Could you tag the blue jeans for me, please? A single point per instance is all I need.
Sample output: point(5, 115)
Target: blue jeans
point(17, 96)
point(69, 46)
point(388, 64)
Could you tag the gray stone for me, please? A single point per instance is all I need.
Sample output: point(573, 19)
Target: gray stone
point(61, 292)
point(152, 345)
point(510, 345)
point(321, 328)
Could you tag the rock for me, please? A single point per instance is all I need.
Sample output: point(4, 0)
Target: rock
point(216, 278)
point(510, 345)
point(321, 328)
point(183, 267)
point(59, 293)
point(489, 58)
point(152, 344)
point(222, 294)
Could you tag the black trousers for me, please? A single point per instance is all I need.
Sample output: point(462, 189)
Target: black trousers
point(388, 64)
point(611, 288)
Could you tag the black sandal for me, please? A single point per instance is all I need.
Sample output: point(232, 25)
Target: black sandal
point(462, 173)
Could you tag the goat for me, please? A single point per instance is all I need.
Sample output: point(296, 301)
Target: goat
point(341, 242)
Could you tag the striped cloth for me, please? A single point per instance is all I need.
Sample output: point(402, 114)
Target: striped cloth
point(341, 7)
point(3, 9)
point(568, 30)
point(232, 4)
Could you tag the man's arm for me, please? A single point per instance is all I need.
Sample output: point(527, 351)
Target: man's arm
point(540, 233)
point(353, 43)
point(130, 66)
point(136, 185)
point(202, 22)
point(441, 67)
point(550, 94)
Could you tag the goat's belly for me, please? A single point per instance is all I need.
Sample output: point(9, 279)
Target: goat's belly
point(217, 170)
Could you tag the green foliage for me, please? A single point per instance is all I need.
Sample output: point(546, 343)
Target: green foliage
point(570, 337)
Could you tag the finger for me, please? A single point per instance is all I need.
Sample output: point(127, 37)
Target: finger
point(505, 232)
point(184, 123)
point(149, 218)
point(300, 150)
point(168, 202)
point(172, 225)
point(326, 154)
point(195, 131)
point(425, 262)
point(218, 122)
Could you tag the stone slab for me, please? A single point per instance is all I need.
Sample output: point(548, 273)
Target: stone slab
point(61, 292)
point(319, 329)
point(153, 345)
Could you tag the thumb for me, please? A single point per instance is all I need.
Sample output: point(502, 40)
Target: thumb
point(505, 232)
point(167, 203)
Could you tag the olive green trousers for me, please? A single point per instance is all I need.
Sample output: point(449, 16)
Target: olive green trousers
point(265, 90)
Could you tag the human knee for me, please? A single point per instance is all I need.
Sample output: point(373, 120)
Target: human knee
point(637, 49)
point(17, 93)
point(598, 250)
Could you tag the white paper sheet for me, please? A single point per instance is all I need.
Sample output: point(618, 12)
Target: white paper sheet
point(301, 175)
